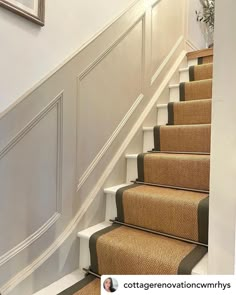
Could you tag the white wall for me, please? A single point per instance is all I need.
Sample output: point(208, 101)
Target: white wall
point(223, 154)
point(195, 30)
point(29, 52)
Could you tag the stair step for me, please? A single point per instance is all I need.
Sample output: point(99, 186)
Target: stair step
point(190, 112)
point(195, 90)
point(200, 268)
point(201, 72)
point(183, 138)
point(207, 52)
point(175, 170)
point(177, 213)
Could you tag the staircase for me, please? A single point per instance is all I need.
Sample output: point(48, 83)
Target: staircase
point(158, 224)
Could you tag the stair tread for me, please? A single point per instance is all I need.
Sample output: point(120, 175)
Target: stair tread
point(195, 90)
point(199, 53)
point(131, 156)
point(201, 72)
point(173, 85)
point(183, 138)
point(174, 212)
point(147, 128)
point(199, 269)
point(164, 105)
point(189, 112)
point(133, 248)
point(179, 170)
point(89, 231)
point(113, 189)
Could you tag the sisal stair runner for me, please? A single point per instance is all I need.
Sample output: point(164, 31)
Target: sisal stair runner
point(196, 90)
point(200, 72)
point(185, 138)
point(189, 112)
point(162, 219)
point(123, 250)
point(177, 170)
point(175, 212)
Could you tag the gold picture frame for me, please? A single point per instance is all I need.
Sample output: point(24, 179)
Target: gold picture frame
point(35, 11)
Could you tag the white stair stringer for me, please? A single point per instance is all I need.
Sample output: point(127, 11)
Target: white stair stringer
point(199, 269)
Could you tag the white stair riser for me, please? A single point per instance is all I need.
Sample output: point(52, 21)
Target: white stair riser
point(184, 75)
point(174, 93)
point(162, 115)
point(111, 211)
point(148, 140)
point(132, 172)
point(192, 62)
point(84, 254)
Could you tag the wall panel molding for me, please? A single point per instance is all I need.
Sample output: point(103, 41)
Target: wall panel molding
point(27, 242)
point(112, 47)
point(58, 104)
point(167, 59)
point(172, 38)
point(71, 228)
point(138, 100)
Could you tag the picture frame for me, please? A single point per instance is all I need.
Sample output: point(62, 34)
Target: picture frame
point(33, 10)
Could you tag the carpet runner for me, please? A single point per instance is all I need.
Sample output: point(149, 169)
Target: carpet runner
point(175, 212)
point(162, 219)
point(185, 138)
point(201, 72)
point(196, 90)
point(123, 250)
point(176, 170)
point(189, 112)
